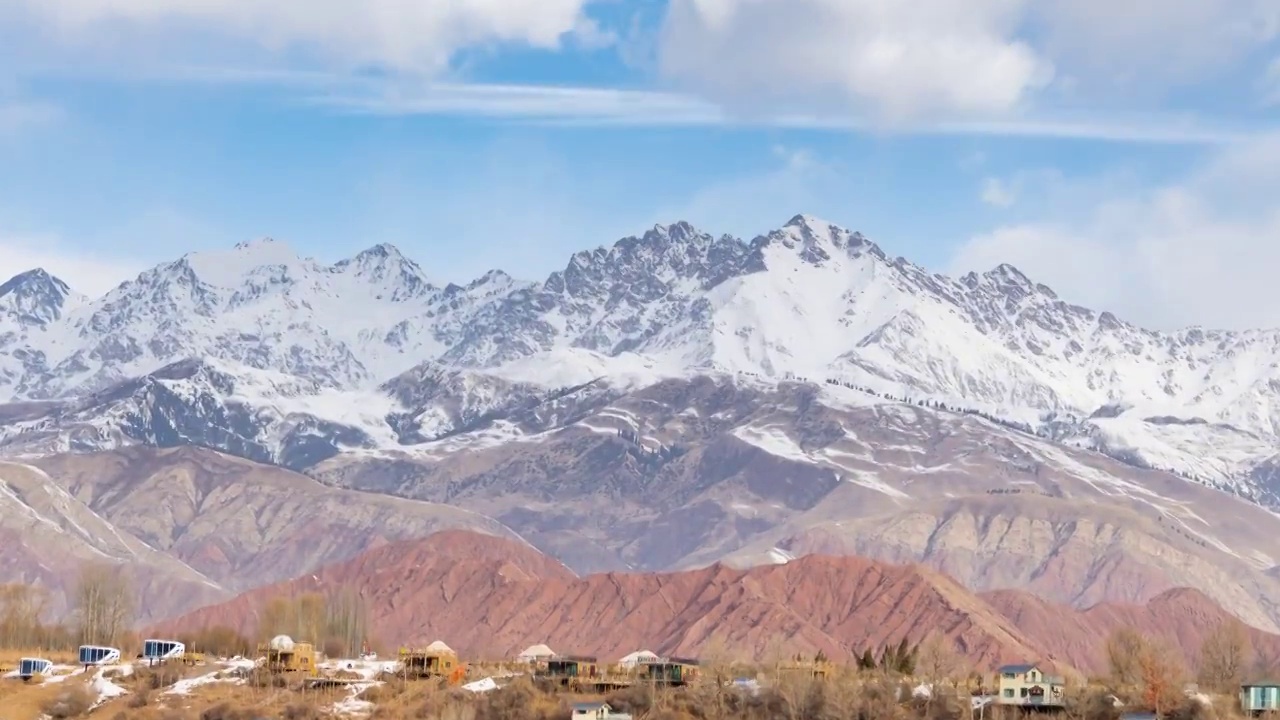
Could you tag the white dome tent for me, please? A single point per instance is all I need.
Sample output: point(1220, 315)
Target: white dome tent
point(281, 643)
point(535, 653)
point(639, 657)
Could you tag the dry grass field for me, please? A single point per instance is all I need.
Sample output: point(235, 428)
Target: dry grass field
point(236, 691)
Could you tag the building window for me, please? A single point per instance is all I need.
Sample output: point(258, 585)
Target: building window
point(1008, 692)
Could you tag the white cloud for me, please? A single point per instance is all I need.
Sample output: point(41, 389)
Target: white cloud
point(1148, 46)
point(894, 61)
point(86, 272)
point(603, 106)
point(954, 59)
point(1201, 251)
point(997, 193)
point(409, 35)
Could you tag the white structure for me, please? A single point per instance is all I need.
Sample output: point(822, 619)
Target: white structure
point(481, 686)
point(155, 651)
point(30, 667)
point(281, 643)
point(639, 657)
point(592, 711)
point(98, 655)
point(439, 647)
point(535, 653)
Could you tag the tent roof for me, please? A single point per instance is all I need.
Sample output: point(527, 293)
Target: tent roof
point(537, 651)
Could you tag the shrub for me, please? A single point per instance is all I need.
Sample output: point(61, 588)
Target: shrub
point(140, 698)
point(300, 712)
point(227, 711)
point(71, 703)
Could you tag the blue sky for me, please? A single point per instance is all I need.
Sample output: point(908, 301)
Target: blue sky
point(1121, 155)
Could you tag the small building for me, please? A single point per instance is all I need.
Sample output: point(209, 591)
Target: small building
point(592, 711)
point(1260, 696)
point(98, 655)
point(1028, 685)
point(158, 651)
point(672, 671)
point(572, 666)
point(435, 660)
point(283, 655)
point(31, 667)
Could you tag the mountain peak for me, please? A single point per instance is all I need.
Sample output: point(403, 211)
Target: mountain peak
point(228, 268)
point(382, 251)
point(804, 220)
point(397, 276)
point(816, 240)
point(34, 297)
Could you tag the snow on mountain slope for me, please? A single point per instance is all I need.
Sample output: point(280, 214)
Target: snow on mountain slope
point(351, 324)
point(808, 300)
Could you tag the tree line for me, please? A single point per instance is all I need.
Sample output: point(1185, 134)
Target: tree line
point(103, 611)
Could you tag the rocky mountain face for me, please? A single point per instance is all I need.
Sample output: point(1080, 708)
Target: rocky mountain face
point(490, 598)
point(192, 525)
point(678, 399)
point(809, 300)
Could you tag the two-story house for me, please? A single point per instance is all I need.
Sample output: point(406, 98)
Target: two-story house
point(1028, 685)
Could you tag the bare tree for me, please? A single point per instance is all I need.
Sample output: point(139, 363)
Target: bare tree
point(21, 609)
point(798, 689)
point(717, 672)
point(1224, 655)
point(1162, 676)
point(1125, 649)
point(938, 665)
point(347, 622)
point(104, 603)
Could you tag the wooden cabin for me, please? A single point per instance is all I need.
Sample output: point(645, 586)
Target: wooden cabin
point(671, 672)
point(283, 655)
point(429, 662)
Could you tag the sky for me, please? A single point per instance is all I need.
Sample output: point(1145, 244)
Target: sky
point(1127, 154)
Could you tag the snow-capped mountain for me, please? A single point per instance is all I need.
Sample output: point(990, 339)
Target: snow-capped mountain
point(285, 347)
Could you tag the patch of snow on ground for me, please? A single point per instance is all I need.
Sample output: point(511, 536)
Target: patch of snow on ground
point(567, 367)
point(773, 441)
point(352, 704)
point(60, 674)
point(105, 689)
point(186, 685)
point(776, 442)
point(872, 482)
point(778, 556)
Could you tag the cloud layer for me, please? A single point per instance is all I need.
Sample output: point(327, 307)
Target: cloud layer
point(959, 56)
point(407, 35)
point(1199, 251)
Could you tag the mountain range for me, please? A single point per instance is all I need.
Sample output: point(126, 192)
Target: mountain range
point(488, 598)
point(670, 401)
